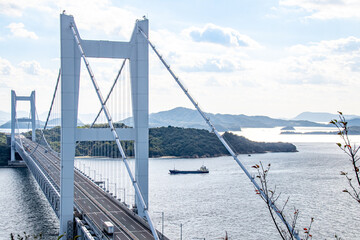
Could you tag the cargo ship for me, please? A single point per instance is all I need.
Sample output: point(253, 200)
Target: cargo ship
point(203, 169)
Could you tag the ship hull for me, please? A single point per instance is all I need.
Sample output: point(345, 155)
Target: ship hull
point(187, 172)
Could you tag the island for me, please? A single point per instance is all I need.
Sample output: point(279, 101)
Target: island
point(288, 128)
point(4, 150)
point(353, 130)
point(174, 142)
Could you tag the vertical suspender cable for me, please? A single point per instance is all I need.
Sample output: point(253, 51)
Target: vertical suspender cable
point(48, 116)
point(226, 145)
point(111, 89)
point(53, 99)
point(115, 135)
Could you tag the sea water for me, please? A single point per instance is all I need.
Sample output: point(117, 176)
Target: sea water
point(207, 205)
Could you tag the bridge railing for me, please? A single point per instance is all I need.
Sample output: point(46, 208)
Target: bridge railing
point(45, 181)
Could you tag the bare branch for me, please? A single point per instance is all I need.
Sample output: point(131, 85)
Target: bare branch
point(351, 151)
point(285, 231)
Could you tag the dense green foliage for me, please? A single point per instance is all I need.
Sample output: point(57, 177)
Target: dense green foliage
point(190, 142)
point(172, 141)
point(243, 145)
point(184, 142)
point(4, 150)
point(52, 136)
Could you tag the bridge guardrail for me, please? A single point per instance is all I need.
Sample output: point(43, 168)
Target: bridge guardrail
point(49, 188)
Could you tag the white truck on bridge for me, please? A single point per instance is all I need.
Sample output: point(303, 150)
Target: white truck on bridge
point(108, 227)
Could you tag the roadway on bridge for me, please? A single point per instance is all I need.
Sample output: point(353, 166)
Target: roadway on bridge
point(94, 202)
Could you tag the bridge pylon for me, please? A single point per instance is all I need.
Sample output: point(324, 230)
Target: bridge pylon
point(15, 119)
point(136, 50)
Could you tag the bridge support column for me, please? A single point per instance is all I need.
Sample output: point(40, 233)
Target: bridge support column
point(139, 67)
point(14, 119)
point(70, 77)
point(33, 118)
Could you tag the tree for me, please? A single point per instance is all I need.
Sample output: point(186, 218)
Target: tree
point(270, 199)
point(351, 150)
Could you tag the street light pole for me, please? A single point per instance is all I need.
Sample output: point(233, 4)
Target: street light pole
point(115, 192)
point(94, 173)
point(107, 181)
point(85, 171)
point(98, 175)
point(180, 231)
point(124, 194)
point(162, 224)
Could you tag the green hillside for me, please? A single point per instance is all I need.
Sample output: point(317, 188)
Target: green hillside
point(4, 150)
point(176, 142)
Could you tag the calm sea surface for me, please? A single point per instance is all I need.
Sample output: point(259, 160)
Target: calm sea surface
point(223, 200)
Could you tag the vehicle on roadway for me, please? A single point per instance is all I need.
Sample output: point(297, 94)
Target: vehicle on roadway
point(108, 227)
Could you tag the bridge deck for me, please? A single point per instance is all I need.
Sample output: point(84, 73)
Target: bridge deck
point(93, 202)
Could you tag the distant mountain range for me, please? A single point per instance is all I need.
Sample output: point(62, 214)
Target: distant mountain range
point(322, 117)
point(188, 118)
point(39, 124)
point(22, 125)
point(4, 116)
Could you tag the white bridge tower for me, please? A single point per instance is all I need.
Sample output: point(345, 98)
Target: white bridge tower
point(15, 119)
point(136, 50)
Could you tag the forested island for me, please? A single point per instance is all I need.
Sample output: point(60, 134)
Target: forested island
point(4, 150)
point(353, 130)
point(173, 142)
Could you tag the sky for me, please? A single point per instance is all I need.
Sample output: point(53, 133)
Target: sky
point(255, 57)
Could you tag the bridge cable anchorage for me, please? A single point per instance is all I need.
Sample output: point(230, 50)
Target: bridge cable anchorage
point(115, 135)
point(222, 140)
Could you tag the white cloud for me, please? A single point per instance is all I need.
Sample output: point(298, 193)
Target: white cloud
point(100, 16)
point(325, 9)
point(24, 70)
point(16, 8)
point(5, 67)
point(31, 67)
point(338, 46)
point(212, 60)
point(220, 35)
point(316, 76)
point(322, 63)
point(18, 30)
point(187, 55)
point(213, 65)
point(24, 78)
point(90, 15)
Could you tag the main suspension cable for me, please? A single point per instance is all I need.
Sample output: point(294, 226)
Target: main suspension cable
point(222, 140)
point(115, 135)
point(47, 119)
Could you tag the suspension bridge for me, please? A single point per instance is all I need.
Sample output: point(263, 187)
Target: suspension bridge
point(84, 202)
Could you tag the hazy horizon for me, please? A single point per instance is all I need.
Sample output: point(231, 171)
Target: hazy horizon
point(87, 118)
